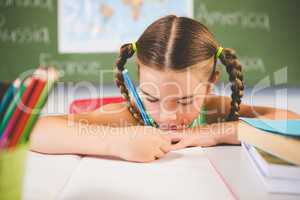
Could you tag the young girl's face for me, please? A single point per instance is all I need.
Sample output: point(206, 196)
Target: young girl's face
point(174, 98)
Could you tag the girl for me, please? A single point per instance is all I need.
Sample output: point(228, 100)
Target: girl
point(176, 60)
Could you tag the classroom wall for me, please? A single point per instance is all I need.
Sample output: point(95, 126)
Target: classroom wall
point(265, 35)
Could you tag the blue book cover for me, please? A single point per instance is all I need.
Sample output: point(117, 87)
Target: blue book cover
point(283, 127)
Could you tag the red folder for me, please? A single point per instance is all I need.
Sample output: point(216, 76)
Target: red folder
point(88, 105)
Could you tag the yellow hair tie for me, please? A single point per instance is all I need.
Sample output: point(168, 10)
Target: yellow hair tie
point(219, 51)
point(134, 46)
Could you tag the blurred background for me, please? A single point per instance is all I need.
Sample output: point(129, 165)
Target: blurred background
point(81, 38)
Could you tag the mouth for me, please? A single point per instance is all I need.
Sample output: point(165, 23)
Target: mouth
point(173, 127)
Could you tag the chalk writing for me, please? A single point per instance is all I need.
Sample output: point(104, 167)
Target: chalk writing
point(250, 20)
point(71, 67)
point(41, 4)
point(21, 35)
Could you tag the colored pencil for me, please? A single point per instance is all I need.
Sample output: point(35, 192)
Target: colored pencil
point(39, 105)
point(136, 97)
point(8, 97)
point(13, 105)
point(16, 113)
point(25, 114)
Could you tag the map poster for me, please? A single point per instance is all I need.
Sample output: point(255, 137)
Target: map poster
point(99, 26)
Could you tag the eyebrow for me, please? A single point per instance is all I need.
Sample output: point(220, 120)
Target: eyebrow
point(180, 98)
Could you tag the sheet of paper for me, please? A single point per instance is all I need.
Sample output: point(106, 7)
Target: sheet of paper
point(284, 127)
point(184, 174)
point(47, 175)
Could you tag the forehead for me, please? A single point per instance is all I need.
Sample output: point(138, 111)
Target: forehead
point(168, 82)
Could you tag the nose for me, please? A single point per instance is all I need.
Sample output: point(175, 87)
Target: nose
point(167, 119)
point(172, 121)
point(167, 116)
point(168, 113)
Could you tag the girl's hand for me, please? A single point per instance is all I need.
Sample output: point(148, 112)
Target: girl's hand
point(191, 139)
point(139, 144)
point(205, 136)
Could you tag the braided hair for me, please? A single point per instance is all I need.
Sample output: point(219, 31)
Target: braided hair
point(177, 43)
point(233, 66)
point(126, 51)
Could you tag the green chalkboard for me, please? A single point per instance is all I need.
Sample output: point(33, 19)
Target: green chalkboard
point(264, 33)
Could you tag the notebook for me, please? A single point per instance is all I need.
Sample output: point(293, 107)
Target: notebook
point(47, 175)
point(183, 174)
point(273, 166)
point(283, 127)
point(274, 185)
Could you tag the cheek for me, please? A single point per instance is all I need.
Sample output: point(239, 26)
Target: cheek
point(198, 102)
point(188, 113)
point(152, 108)
point(187, 118)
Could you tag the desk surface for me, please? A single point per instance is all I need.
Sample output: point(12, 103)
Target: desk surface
point(48, 175)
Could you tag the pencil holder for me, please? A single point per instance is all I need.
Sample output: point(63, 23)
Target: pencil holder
point(12, 168)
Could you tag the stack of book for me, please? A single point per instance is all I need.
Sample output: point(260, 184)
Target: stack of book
point(273, 147)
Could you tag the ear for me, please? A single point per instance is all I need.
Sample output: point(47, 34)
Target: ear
point(214, 79)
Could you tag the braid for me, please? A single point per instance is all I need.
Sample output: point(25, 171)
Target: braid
point(126, 52)
point(234, 69)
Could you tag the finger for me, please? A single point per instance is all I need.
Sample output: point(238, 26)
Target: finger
point(147, 160)
point(166, 137)
point(180, 145)
point(165, 146)
point(174, 137)
point(159, 153)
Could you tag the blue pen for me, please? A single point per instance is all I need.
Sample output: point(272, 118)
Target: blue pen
point(136, 97)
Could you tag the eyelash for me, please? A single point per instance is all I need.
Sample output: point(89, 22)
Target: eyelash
point(152, 100)
point(184, 104)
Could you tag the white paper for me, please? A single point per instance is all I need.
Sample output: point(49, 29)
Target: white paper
point(47, 175)
point(184, 174)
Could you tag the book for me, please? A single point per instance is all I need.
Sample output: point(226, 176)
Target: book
point(273, 185)
point(288, 127)
point(272, 166)
point(284, 147)
point(182, 174)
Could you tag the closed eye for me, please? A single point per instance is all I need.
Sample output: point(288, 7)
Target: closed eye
point(152, 100)
point(185, 102)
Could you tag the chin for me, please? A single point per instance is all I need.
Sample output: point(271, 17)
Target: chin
point(173, 127)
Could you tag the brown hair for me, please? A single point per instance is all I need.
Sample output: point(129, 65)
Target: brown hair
point(177, 43)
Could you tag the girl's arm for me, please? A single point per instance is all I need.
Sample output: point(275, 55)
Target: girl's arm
point(218, 132)
point(99, 133)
